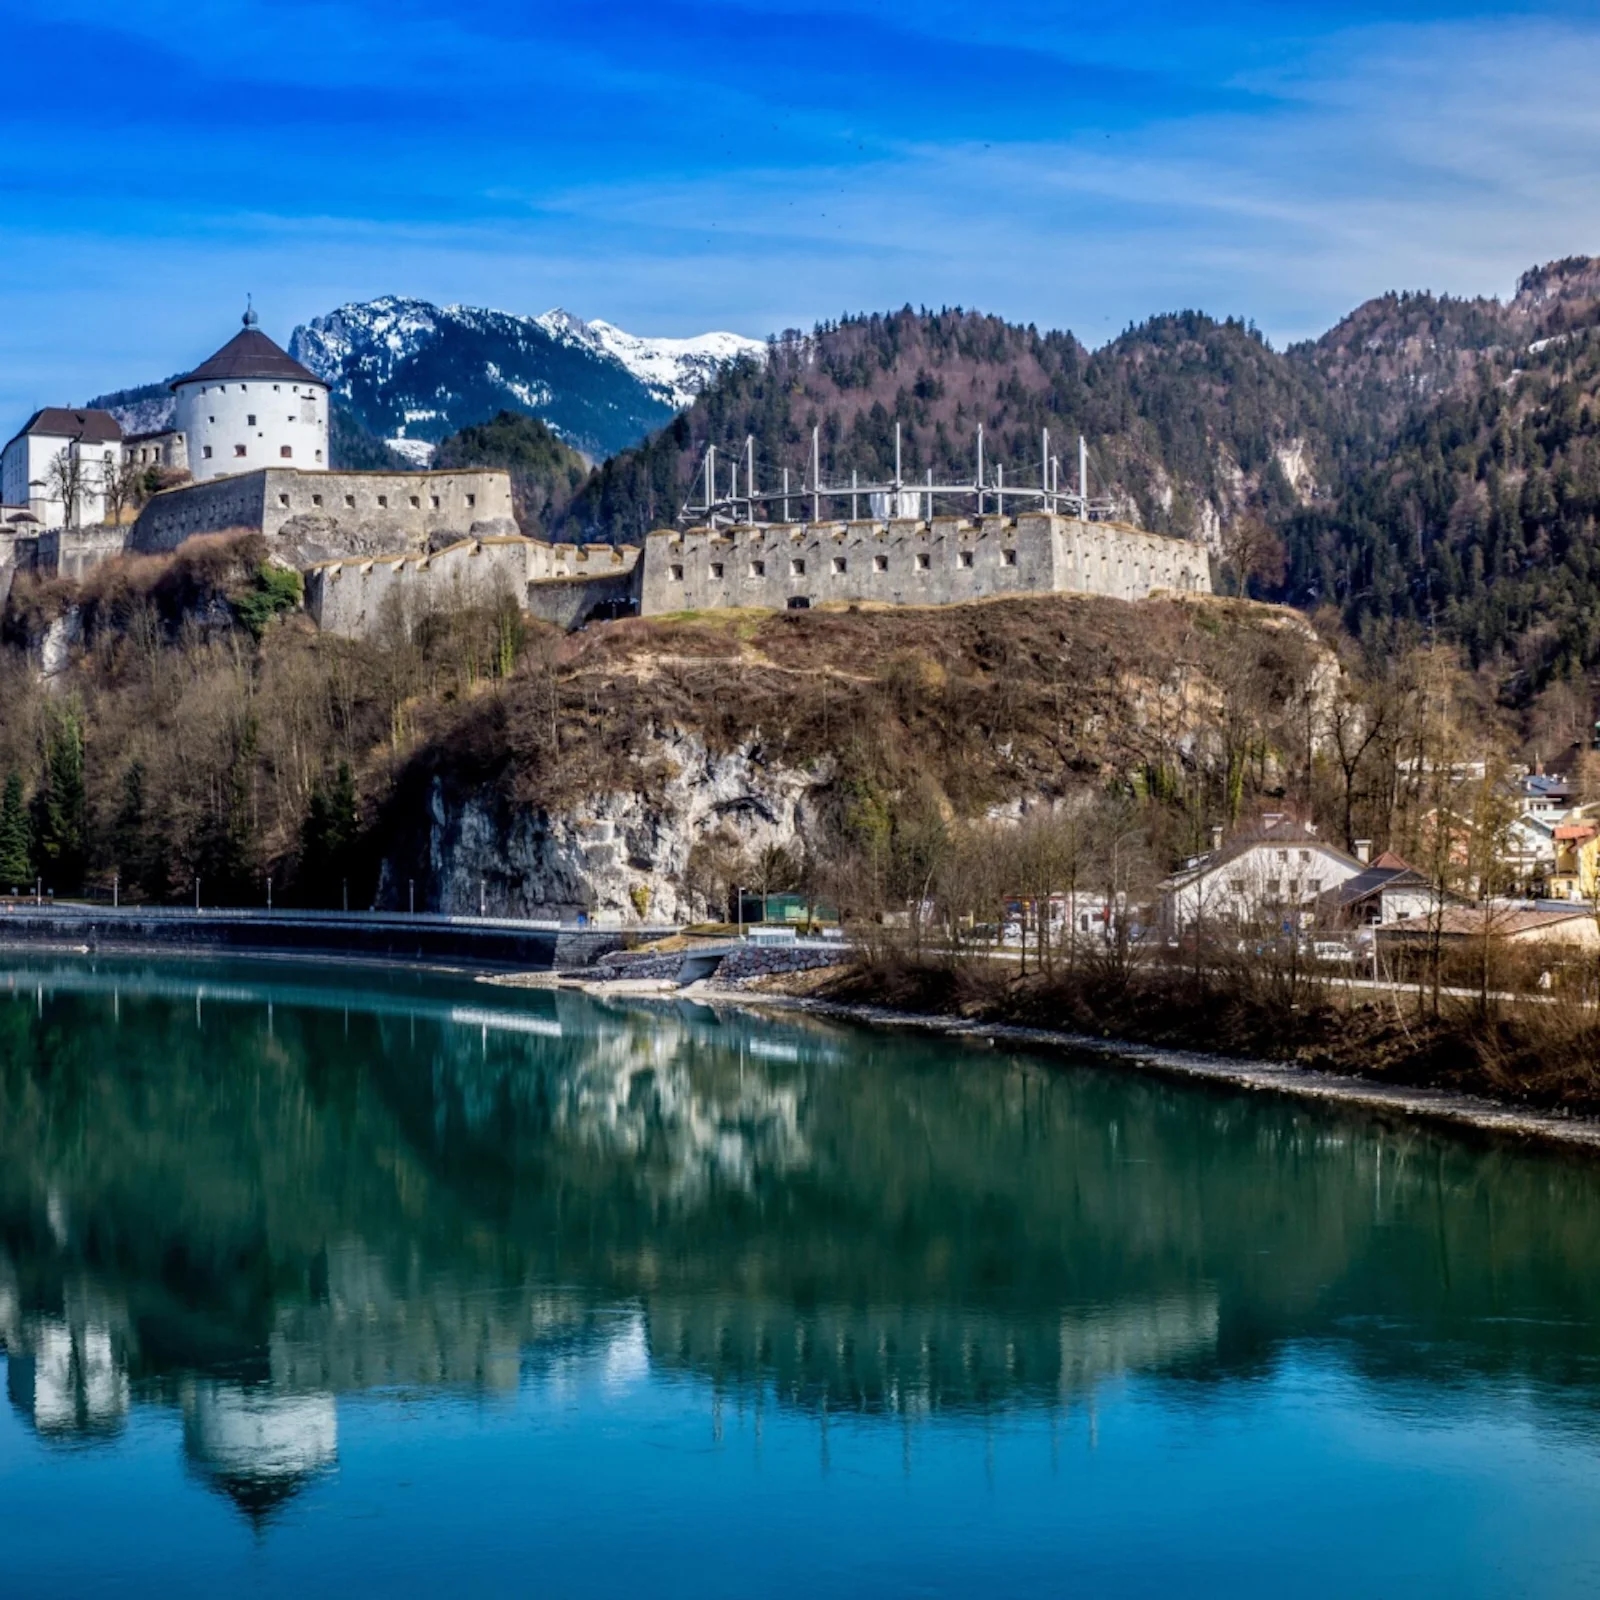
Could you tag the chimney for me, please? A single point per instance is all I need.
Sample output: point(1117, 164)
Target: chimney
point(1216, 838)
point(1363, 850)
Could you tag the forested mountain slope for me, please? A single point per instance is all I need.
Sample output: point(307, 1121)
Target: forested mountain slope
point(1189, 419)
point(1476, 513)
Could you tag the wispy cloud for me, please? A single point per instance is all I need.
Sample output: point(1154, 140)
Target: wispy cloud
point(676, 167)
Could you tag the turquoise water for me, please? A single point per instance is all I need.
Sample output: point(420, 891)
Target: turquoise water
point(323, 1280)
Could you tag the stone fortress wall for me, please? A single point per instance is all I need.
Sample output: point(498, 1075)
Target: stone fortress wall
point(560, 583)
point(904, 562)
point(373, 544)
point(322, 515)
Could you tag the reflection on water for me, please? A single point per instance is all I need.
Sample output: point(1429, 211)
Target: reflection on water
point(239, 1195)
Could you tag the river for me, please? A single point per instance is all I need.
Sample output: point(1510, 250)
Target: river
point(327, 1280)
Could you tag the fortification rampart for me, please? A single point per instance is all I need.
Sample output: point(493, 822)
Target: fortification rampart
point(318, 516)
point(941, 562)
point(71, 552)
point(561, 583)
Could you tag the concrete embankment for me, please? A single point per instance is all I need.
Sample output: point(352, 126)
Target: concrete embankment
point(477, 941)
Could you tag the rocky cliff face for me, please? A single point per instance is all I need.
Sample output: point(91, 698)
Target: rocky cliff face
point(627, 854)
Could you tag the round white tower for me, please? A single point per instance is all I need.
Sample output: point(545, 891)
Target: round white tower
point(252, 406)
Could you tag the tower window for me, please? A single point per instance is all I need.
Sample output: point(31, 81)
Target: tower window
point(434, 501)
point(383, 500)
point(472, 499)
point(675, 572)
point(350, 500)
point(319, 455)
point(207, 449)
point(716, 569)
point(797, 567)
point(316, 499)
point(283, 500)
point(880, 563)
point(1008, 558)
point(415, 503)
point(964, 558)
point(286, 450)
point(211, 419)
point(758, 569)
point(238, 449)
point(922, 561)
point(839, 564)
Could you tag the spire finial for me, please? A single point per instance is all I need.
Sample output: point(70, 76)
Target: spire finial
point(250, 319)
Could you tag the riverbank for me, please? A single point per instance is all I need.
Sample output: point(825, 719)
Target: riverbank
point(1367, 1054)
point(1282, 1078)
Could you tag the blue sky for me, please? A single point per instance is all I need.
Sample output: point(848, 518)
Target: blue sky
point(692, 164)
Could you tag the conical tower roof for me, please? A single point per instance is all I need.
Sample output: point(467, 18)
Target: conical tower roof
point(249, 354)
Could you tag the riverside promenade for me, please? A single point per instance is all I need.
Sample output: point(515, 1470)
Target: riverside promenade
point(355, 935)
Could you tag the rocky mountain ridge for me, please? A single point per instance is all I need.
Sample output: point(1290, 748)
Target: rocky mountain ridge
point(413, 373)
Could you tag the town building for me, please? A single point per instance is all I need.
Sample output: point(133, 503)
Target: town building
point(1576, 874)
point(1271, 877)
point(1384, 891)
point(61, 455)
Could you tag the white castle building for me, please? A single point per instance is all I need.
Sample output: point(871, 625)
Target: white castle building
point(60, 455)
point(252, 405)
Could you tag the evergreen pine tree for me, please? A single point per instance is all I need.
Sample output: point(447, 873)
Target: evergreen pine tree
point(16, 838)
point(328, 841)
point(60, 807)
point(140, 858)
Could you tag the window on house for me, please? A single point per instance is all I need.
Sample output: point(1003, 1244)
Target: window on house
point(1294, 888)
point(924, 560)
point(1314, 886)
point(434, 501)
point(1236, 884)
point(716, 569)
point(211, 419)
point(964, 558)
point(880, 563)
point(350, 500)
point(1283, 856)
point(283, 500)
point(250, 419)
point(1305, 856)
point(383, 500)
point(416, 503)
point(207, 449)
point(758, 569)
point(839, 564)
point(286, 451)
point(1275, 888)
point(238, 449)
point(472, 499)
point(1008, 558)
point(316, 499)
point(797, 567)
point(675, 572)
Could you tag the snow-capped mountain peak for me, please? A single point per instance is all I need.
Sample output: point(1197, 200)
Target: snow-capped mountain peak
point(413, 372)
point(675, 369)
